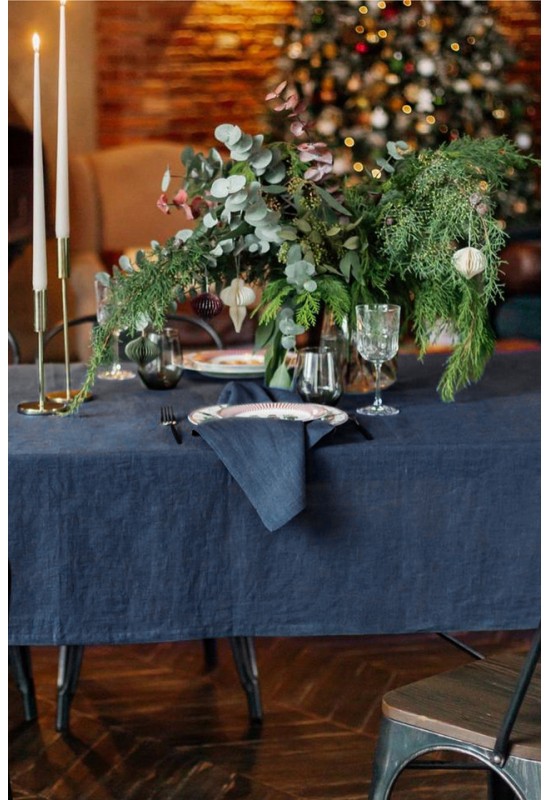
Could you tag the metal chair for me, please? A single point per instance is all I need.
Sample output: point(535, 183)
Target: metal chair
point(471, 710)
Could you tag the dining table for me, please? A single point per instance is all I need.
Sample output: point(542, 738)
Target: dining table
point(118, 534)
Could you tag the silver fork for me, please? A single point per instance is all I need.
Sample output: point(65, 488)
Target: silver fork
point(167, 417)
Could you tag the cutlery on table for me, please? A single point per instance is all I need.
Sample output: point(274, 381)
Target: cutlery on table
point(167, 417)
point(361, 428)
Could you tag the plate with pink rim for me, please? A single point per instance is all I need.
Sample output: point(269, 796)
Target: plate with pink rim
point(297, 412)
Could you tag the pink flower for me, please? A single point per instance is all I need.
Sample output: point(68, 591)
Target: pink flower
point(317, 151)
point(300, 108)
point(299, 127)
point(276, 92)
point(180, 201)
point(162, 204)
point(289, 104)
point(317, 172)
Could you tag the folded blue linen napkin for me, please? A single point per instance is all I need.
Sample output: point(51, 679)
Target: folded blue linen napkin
point(267, 458)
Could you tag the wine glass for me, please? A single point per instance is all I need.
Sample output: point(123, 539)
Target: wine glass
point(115, 371)
point(377, 340)
point(317, 376)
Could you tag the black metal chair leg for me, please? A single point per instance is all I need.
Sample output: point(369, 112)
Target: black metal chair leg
point(244, 656)
point(20, 660)
point(210, 648)
point(70, 661)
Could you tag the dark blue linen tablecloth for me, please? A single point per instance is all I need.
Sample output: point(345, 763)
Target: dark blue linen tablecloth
point(117, 534)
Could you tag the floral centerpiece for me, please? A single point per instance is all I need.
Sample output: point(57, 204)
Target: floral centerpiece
point(274, 221)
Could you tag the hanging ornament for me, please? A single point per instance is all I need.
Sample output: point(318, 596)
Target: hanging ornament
point(469, 261)
point(237, 296)
point(142, 350)
point(207, 305)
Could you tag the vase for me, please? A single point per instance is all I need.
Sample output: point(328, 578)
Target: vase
point(163, 369)
point(358, 375)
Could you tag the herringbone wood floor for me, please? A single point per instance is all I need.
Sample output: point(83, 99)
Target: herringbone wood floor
point(149, 723)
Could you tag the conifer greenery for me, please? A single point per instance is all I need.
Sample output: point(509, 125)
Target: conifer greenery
point(422, 233)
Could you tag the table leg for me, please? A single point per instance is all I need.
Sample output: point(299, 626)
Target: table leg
point(210, 648)
point(245, 661)
point(20, 661)
point(70, 661)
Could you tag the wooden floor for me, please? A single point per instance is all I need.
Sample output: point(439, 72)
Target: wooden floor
point(149, 723)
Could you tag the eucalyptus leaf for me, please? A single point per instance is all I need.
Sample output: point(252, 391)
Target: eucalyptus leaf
point(220, 188)
point(347, 264)
point(302, 225)
point(209, 221)
point(264, 333)
point(166, 178)
point(384, 164)
point(393, 151)
point(274, 189)
point(294, 254)
point(281, 378)
point(331, 201)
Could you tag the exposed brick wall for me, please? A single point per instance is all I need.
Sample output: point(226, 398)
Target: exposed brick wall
point(174, 70)
point(520, 22)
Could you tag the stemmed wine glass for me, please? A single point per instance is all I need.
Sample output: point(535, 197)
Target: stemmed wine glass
point(115, 371)
point(377, 340)
point(317, 376)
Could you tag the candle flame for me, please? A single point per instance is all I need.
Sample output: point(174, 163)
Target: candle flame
point(62, 2)
point(36, 42)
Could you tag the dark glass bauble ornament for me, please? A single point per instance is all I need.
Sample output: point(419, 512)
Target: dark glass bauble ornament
point(207, 305)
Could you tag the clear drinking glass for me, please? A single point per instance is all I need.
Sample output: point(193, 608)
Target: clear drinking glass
point(165, 370)
point(318, 376)
point(115, 371)
point(377, 340)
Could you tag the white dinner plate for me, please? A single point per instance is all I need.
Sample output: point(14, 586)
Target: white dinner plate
point(299, 412)
point(226, 363)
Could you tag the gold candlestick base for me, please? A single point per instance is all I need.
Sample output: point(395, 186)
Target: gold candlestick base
point(36, 408)
point(42, 406)
point(60, 396)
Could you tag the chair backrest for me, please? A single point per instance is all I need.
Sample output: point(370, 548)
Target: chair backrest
point(14, 354)
point(196, 322)
point(86, 321)
point(502, 744)
point(113, 195)
point(180, 321)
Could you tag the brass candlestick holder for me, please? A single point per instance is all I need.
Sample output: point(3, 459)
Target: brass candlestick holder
point(63, 273)
point(42, 405)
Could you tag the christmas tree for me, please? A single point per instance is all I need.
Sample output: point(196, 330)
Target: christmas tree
point(418, 71)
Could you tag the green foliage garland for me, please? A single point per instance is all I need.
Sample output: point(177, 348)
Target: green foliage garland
point(278, 217)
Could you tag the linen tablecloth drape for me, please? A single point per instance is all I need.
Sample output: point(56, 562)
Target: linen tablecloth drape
point(117, 534)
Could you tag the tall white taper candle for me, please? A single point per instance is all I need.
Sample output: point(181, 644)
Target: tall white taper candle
point(39, 262)
point(62, 182)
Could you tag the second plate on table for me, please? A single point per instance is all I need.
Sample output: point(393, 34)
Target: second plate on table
point(226, 363)
point(299, 412)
